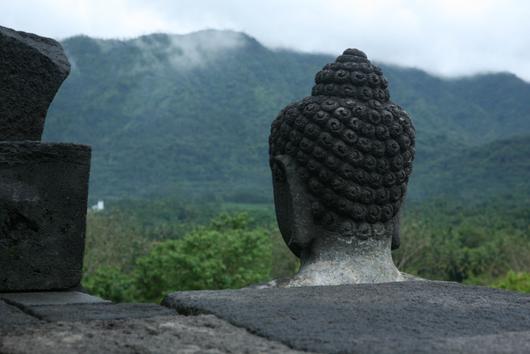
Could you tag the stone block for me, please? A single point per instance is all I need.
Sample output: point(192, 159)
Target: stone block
point(400, 317)
point(98, 311)
point(43, 205)
point(162, 334)
point(32, 70)
point(35, 298)
point(11, 316)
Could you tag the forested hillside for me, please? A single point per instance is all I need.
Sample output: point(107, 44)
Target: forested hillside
point(190, 115)
point(497, 169)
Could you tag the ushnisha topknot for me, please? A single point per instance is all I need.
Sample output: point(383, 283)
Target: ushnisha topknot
point(352, 75)
point(353, 147)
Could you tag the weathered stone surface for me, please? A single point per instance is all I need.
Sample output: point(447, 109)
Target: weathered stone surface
point(51, 298)
point(97, 311)
point(11, 316)
point(401, 317)
point(32, 70)
point(43, 191)
point(168, 334)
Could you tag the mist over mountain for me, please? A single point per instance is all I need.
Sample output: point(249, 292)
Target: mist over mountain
point(190, 115)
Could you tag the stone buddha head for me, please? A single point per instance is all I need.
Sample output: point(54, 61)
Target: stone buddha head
point(341, 159)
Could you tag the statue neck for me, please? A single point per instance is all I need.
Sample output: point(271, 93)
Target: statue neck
point(335, 260)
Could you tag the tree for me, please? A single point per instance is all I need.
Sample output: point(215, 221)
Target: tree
point(225, 254)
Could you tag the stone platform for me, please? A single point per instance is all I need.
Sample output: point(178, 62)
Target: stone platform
point(405, 317)
point(73, 322)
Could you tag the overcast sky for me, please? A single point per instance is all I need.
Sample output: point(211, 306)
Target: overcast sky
point(449, 37)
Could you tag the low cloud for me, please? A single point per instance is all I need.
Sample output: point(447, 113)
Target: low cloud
point(189, 51)
point(445, 37)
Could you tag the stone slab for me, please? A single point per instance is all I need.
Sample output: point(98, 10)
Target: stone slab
point(43, 204)
point(166, 334)
point(404, 317)
point(11, 316)
point(51, 298)
point(97, 311)
point(33, 68)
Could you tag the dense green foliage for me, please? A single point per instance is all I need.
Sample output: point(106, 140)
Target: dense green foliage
point(112, 284)
point(486, 244)
point(227, 253)
point(518, 281)
point(477, 244)
point(498, 169)
point(190, 115)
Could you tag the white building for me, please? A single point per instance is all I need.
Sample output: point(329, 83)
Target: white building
point(99, 206)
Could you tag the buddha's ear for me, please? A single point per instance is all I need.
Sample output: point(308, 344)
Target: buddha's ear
point(281, 179)
point(396, 235)
point(293, 207)
point(282, 168)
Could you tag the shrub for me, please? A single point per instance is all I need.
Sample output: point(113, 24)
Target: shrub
point(110, 283)
point(112, 240)
point(226, 254)
point(517, 281)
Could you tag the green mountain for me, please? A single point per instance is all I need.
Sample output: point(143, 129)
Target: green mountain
point(500, 169)
point(190, 115)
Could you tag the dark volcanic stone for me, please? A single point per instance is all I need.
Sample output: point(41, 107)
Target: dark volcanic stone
point(351, 150)
point(36, 298)
point(404, 317)
point(31, 71)
point(11, 316)
point(98, 311)
point(43, 191)
point(161, 334)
